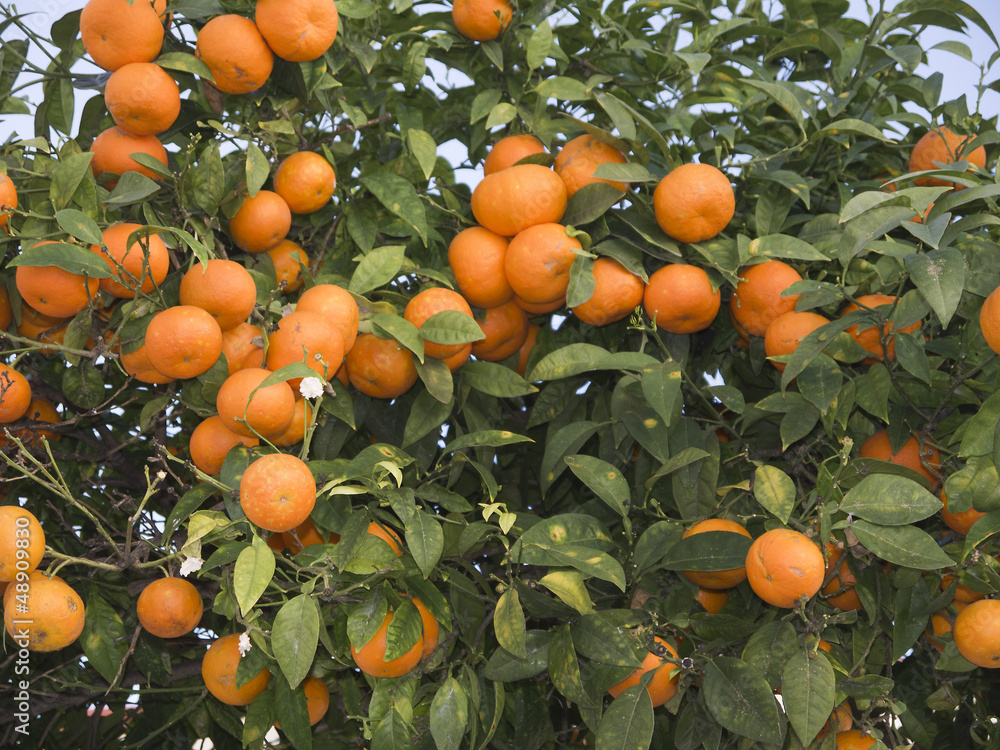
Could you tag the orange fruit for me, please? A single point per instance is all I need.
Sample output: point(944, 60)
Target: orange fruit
point(10, 589)
point(54, 614)
point(943, 146)
point(370, 657)
point(278, 492)
point(6, 310)
point(784, 566)
point(387, 535)
point(989, 320)
point(380, 368)
point(757, 300)
point(538, 261)
point(234, 50)
point(142, 98)
point(297, 30)
point(15, 394)
point(317, 693)
point(940, 624)
point(960, 523)
point(506, 330)
point(481, 20)
point(288, 258)
point(140, 266)
point(713, 601)
point(305, 179)
point(337, 305)
point(664, 683)
point(840, 721)
point(924, 461)
point(963, 593)
point(8, 199)
point(19, 525)
point(430, 302)
point(136, 363)
point(509, 150)
point(261, 222)
point(211, 440)
point(786, 332)
point(476, 256)
point(246, 408)
point(296, 431)
point(455, 361)
point(431, 628)
point(183, 341)
point(118, 32)
point(848, 599)
point(526, 347)
point(852, 739)
point(513, 199)
point(39, 410)
point(871, 337)
point(112, 153)
point(694, 202)
point(218, 671)
point(539, 308)
point(169, 607)
point(223, 288)
point(55, 292)
point(680, 299)
point(579, 158)
point(308, 337)
point(716, 579)
point(617, 292)
point(306, 534)
point(44, 328)
point(237, 343)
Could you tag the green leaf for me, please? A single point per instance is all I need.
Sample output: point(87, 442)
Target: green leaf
point(392, 733)
point(603, 479)
point(709, 550)
point(253, 573)
point(400, 197)
point(564, 668)
point(103, 639)
point(67, 176)
point(568, 585)
point(661, 385)
point(601, 637)
point(437, 379)
point(807, 40)
point(854, 127)
point(294, 637)
point(912, 357)
point(808, 691)
point(940, 278)
point(425, 541)
point(364, 620)
point(185, 63)
point(539, 45)
point(257, 168)
point(131, 188)
point(503, 666)
point(770, 648)
point(508, 621)
point(590, 203)
point(449, 715)
point(563, 88)
point(890, 500)
point(785, 247)
point(581, 281)
point(628, 722)
point(426, 414)
point(451, 327)
point(696, 61)
point(72, 258)
point(495, 380)
point(654, 543)
point(79, 225)
point(782, 94)
point(978, 438)
point(775, 491)
point(404, 631)
point(486, 439)
point(741, 700)
point(902, 545)
point(291, 710)
point(83, 386)
point(424, 150)
point(377, 268)
point(579, 358)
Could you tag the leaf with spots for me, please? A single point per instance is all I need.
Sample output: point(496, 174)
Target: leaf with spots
point(603, 479)
point(741, 700)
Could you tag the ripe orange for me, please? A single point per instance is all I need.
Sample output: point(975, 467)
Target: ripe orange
point(306, 534)
point(926, 461)
point(8, 199)
point(977, 633)
point(308, 337)
point(430, 302)
point(112, 153)
point(40, 410)
point(694, 202)
point(223, 288)
point(141, 266)
point(786, 332)
point(757, 300)
point(455, 361)
point(716, 579)
point(211, 440)
point(538, 261)
point(278, 492)
point(840, 721)
point(539, 308)
point(370, 657)
point(142, 98)
point(476, 256)
point(680, 299)
point(577, 160)
point(387, 535)
point(506, 329)
point(713, 601)
point(509, 150)
point(297, 30)
point(960, 523)
point(784, 566)
point(261, 222)
point(40, 327)
point(246, 408)
point(871, 337)
point(183, 341)
point(940, 624)
point(481, 20)
point(305, 179)
point(169, 607)
point(15, 394)
point(989, 320)
point(317, 693)
point(234, 50)
point(117, 32)
point(218, 670)
point(963, 593)
point(848, 599)
point(526, 347)
point(339, 307)
point(664, 683)
point(380, 368)
point(237, 343)
point(18, 524)
point(296, 430)
point(617, 292)
point(944, 146)
point(431, 628)
point(54, 612)
point(852, 739)
point(55, 292)
point(288, 258)
point(518, 197)
point(136, 363)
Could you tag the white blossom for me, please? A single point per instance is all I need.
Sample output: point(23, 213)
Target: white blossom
point(311, 387)
point(191, 565)
point(244, 644)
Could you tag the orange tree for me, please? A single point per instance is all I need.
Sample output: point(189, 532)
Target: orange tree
point(466, 526)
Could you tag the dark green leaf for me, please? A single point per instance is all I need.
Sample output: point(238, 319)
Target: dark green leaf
point(902, 545)
point(628, 722)
point(103, 638)
point(807, 689)
point(449, 715)
point(890, 500)
point(294, 637)
point(72, 258)
point(741, 700)
point(709, 550)
point(603, 479)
